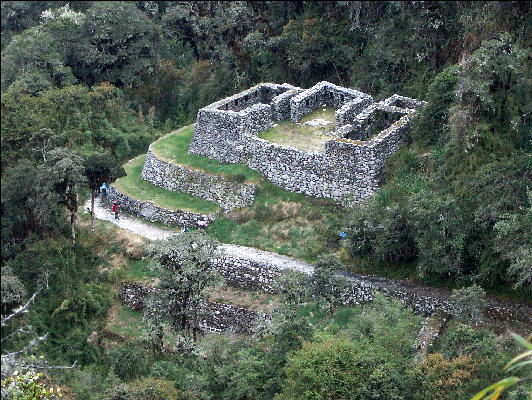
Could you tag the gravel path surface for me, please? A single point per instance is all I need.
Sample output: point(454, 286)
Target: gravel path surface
point(268, 258)
point(506, 309)
point(155, 233)
point(130, 223)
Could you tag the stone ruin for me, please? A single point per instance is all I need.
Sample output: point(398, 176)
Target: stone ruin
point(366, 134)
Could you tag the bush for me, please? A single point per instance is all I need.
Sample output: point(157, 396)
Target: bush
point(239, 178)
point(469, 304)
point(129, 361)
point(13, 291)
point(156, 389)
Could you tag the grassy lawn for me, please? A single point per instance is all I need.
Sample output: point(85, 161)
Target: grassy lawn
point(301, 136)
point(134, 186)
point(174, 147)
point(283, 222)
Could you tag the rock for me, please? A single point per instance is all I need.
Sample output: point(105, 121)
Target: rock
point(93, 339)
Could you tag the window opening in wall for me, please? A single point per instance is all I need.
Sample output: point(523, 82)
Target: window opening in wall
point(306, 102)
point(342, 97)
point(246, 97)
point(226, 106)
point(257, 93)
point(236, 102)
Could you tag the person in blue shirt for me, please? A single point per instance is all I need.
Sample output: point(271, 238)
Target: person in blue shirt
point(103, 189)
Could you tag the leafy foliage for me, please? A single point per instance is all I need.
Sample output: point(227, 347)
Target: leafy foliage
point(28, 386)
point(469, 304)
point(185, 273)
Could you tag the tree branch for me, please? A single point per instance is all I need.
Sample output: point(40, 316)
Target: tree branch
point(21, 310)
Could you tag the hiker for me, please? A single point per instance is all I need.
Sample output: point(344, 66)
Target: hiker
point(202, 224)
point(103, 189)
point(184, 230)
point(115, 209)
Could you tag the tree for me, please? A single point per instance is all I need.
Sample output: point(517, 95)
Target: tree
point(42, 140)
point(441, 233)
point(34, 62)
point(63, 175)
point(491, 115)
point(288, 326)
point(514, 242)
point(121, 43)
point(469, 304)
point(14, 328)
point(441, 379)
point(100, 168)
point(520, 362)
point(183, 263)
point(26, 207)
point(326, 285)
point(13, 291)
point(336, 367)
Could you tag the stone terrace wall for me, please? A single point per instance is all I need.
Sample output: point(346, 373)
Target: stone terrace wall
point(228, 193)
point(251, 269)
point(246, 273)
point(154, 213)
point(322, 93)
point(313, 174)
point(348, 169)
point(347, 113)
point(222, 127)
point(215, 317)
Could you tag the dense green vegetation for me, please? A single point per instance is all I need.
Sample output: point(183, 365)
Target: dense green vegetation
point(82, 80)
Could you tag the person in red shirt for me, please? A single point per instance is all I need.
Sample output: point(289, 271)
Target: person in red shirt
point(115, 209)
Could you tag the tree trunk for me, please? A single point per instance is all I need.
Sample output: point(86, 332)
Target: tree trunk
point(73, 218)
point(92, 212)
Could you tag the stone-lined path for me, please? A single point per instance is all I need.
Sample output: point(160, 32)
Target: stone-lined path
point(129, 223)
point(153, 232)
point(500, 310)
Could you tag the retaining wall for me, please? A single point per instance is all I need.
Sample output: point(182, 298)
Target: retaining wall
point(214, 317)
point(258, 270)
point(154, 213)
point(228, 193)
point(347, 171)
point(323, 93)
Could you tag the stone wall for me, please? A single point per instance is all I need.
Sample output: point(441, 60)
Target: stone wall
point(154, 213)
point(347, 113)
point(251, 269)
point(215, 317)
point(228, 193)
point(347, 171)
point(322, 93)
point(403, 102)
point(221, 127)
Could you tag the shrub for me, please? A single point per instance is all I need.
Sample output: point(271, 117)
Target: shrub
point(239, 178)
point(469, 304)
point(129, 361)
point(13, 291)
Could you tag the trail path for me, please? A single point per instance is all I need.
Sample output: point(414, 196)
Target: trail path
point(153, 232)
point(132, 224)
point(505, 309)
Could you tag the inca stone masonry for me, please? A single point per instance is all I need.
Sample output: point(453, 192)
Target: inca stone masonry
point(366, 135)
